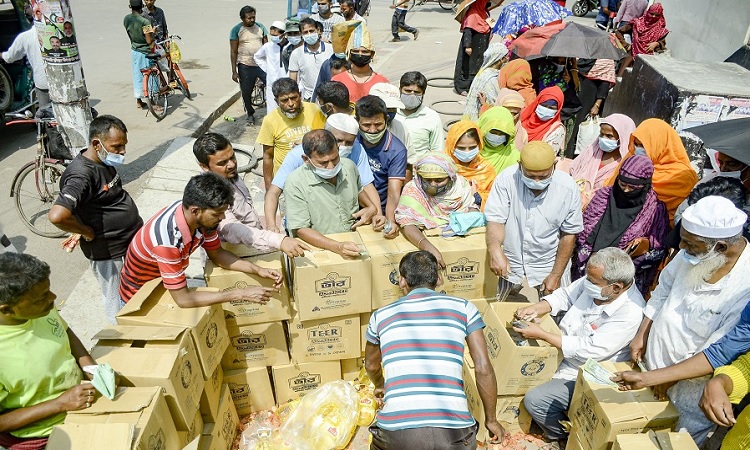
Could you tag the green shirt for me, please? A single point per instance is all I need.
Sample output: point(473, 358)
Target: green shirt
point(134, 24)
point(312, 202)
point(37, 366)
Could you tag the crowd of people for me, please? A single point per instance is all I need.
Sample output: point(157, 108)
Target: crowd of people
point(636, 258)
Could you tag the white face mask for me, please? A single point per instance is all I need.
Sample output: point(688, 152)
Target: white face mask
point(640, 150)
point(608, 145)
point(466, 156)
point(345, 150)
point(294, 40)
point(695, 260)
point(734, 174)
point(324, 173)
point(594, 291)
point(545, 114)
point(495, 140)
point(536, 185)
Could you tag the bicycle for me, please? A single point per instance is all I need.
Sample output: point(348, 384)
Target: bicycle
point(448, 5)
point(161, 78)
point(35, 195)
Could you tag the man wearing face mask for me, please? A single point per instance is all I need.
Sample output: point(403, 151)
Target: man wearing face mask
point(327, 18)
point(333, 98)
point(360, 77)
point(601, 314)
point(533, 215)
point(268, 58)
point(323, 196)
point(294, 41)
point(344, 128)
point(699, 298)
point(422, 123)
point(306, 61)
point(93, 203)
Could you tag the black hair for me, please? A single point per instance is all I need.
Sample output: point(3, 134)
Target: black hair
point(419, 269)
point(208, 191)
point(370, 106)
point(414, 77)
point(334, 92)
point(54, 37)
point(207, 144)
point(321, 142)
point(99, 127)
point(18, 274)
point(309, 21)
point(284, 86)
point(471, 133)
point(729, 188)
point(337, 64)
point(247, 9)
point(349, 3)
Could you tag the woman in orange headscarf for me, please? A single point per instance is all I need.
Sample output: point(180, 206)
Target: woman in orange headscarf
point(673, 177)
point(463, 144)
point(516, 75)
point(541, 118)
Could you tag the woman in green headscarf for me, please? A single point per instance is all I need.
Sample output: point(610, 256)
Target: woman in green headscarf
point(499, 130)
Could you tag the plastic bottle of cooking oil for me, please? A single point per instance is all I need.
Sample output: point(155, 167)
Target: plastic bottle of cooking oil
point(367, 406)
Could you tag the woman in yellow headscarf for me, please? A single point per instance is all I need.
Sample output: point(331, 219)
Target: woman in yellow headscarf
point(498, 133)
point(673, 177)
point(463, 144)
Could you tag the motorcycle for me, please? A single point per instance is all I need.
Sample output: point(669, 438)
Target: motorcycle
point(582, 7)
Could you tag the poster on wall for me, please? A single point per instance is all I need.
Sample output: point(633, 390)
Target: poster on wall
point(54, 25)
point(700, 110)
point(739, 108)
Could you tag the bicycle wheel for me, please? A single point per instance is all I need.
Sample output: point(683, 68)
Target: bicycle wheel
point(35, 191)
point(246, 160)
point(158, 91)
point(258, 96)
point(181, 83)
point(446, 4)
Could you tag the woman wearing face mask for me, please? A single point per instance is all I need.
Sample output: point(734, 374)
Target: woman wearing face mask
point(498, 135)
point(629, 216)
point(427, 200)
point(596, 164)
point(463, 145)
point(513, 101)
point(541, 119)
point(674, 177)
point(360, 77)
point(484, 88)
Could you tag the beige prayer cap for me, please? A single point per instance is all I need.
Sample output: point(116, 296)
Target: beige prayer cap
point(537, 155)
point(714, 217)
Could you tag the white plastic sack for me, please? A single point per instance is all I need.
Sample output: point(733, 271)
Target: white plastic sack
point(587, 133)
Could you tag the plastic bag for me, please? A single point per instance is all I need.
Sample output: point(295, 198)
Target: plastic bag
point(588, 131)
point(459, 224)
point(174, 52)
point(325, 419)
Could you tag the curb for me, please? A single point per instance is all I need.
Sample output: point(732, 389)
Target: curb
point(218, 110)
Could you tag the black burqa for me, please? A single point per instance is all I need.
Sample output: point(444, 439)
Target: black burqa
point(622, 209)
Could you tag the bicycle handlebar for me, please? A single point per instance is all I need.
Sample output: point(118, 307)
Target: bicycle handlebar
point(51, 121)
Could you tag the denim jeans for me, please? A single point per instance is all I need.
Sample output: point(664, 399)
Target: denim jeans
point(399, 21)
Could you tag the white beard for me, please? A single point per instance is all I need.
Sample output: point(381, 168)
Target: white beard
point(702, 271)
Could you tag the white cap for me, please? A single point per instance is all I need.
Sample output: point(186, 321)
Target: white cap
point(343, 122)
point(279, 24)
point(714, 217)
point(388, 93)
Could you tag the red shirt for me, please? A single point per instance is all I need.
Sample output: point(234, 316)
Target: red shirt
point(358, 90)
point(162, 248)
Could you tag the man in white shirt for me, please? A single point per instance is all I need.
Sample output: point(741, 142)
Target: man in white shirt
point(27, 44)
point(268, 58)
point(533, 215)
point(327, 18)
point(423, 124)
point(699, 298)
point(305, 62)
point(349, 12)
point(602, 313)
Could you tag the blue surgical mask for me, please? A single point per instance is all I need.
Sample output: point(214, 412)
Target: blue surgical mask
point(110, 159)
point(294, 40)
point(608, 145)
point(466, 156)
point(311, 39)
point(545, 114)
point(340, 55)
point(345, 150)
point(536, 185)
point(640, 150)
point(324, 173)
point(593, 290)
point(276, 39)
point(495, 140)
point(695, 260)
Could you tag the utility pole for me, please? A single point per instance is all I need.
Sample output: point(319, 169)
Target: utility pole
point(53, 20)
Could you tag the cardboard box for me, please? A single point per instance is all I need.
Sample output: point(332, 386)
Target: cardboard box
point(511, 413)
point(211, 394)
point(220, 434)
point(327, 285)
point(385, 256)
point(481, 303)
point(153, 305)
point(598, 413)
point(144, 408)
point(248, 313)
point(194, 430)
point(659, 440)
point(156, 356)
point(92, 436)
point(194, 444)
point(364, 322)
point(518, 368)
point(329, 339)
point(258, 345)
point(350, 368)
point(293, 381)
point(250, 389)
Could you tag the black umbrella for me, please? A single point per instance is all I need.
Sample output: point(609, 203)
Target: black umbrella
point(730, 137)
point(568, 39)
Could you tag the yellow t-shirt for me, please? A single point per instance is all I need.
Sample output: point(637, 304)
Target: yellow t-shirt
point(282, 133)
point(37, 366)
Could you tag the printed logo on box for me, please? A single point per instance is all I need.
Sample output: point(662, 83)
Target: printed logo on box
point(333, 284)
point(157, 441)
point(393, 277)
point(239, 391)
point(305, 381)
point(532, 367)
point(513, 411)
point(323, 334)
point(186, 374)
point(463, 269)
point(249, 342)
point(493, 343)
point(211, 335)
point(227, 428)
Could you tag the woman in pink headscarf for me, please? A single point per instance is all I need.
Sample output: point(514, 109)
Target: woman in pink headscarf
point(596, 164)
point(649, 34)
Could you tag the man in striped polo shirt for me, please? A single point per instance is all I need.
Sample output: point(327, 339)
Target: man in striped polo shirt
point(414, 357)
point(162, 247)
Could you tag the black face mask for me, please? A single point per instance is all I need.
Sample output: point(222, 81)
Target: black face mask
point(360, 60)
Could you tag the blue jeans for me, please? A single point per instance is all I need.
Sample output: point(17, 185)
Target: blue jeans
point(548, 404)
point(399, 21)
point(139, 62)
